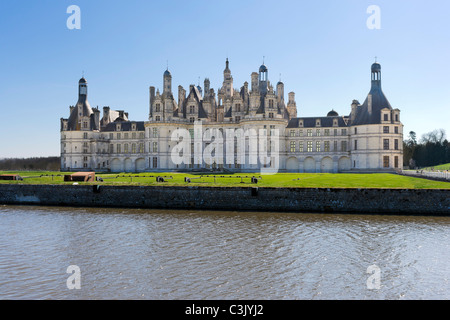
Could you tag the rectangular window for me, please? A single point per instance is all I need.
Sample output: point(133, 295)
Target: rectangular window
point(85, 135)
point(141, 135)
point(158, 118)
point(385, 129)
point(386, 161)
point(396, 144)
point(309, 146)
point(309, 132)
point(396, 117)
point(395, 129)
point(326, 146)
point(318, 132)
point(271, 130)
point(292, 133)
point(133, 135)
point(292, 146)
point(118, 148)
point(125, 135)
point(300, 133)
point(141, 147)
point(133, 148)
point(344, 132)
point(356, 144)
point(111, 148)
point(335, 132)
point(155, 162)
point(326, 132)
point(125, 148)
point(111, 136)
point(318, 145)
point(386, 117)
point(335, 146)
point(344, 146)
point(118, 136)
point(300, 146)
point(396, 162)
point(386, 144)
point(356, 130)
point(155, 147)
point(155, 132)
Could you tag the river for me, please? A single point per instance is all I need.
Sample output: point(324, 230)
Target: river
point(155, 254)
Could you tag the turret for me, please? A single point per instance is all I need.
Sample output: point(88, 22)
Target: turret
point(280, 93)
point(80, 115)
point(263, 79)
point(167, 83)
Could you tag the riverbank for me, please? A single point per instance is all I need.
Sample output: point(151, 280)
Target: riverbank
point(251, 198)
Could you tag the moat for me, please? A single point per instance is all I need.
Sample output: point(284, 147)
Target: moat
point(165, 254)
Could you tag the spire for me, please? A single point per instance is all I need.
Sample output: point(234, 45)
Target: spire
point(227, 66)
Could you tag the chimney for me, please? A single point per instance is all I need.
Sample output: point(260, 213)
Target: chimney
point(152, 98)
point(369, 104)
point(355, 105)
point(254, 82)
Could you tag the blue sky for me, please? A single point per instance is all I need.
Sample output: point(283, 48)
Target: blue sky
point(322, 49)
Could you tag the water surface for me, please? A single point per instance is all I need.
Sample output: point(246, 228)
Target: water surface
point(155, 254)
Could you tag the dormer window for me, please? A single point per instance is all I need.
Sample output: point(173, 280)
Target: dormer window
point(386, 117)
point(300, 123)
point(317, 123)
point(335, 123)
point(118, 127)
point(133, 127)
point(158, 107)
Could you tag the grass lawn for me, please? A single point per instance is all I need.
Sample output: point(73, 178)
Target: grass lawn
point(301, 180)
point(439, 167)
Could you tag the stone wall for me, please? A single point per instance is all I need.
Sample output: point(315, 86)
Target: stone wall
point(302, 200)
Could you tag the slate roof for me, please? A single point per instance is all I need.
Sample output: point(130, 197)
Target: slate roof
point(379, 102)
point(310, 122)
point(125, 126)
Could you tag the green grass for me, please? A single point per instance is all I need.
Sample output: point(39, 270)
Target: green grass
point(301, 180)
point(439, 167)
